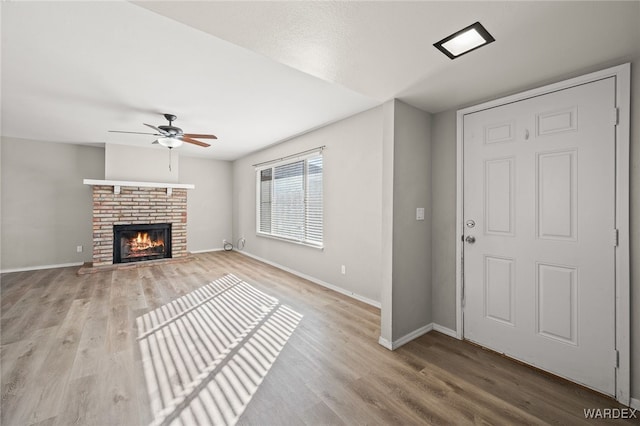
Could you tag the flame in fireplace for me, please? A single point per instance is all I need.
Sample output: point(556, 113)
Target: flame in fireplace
point(142, 242)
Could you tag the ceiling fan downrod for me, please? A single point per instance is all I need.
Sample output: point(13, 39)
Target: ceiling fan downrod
point(170, 118)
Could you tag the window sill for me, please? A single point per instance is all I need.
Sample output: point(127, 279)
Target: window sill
point(288, 240)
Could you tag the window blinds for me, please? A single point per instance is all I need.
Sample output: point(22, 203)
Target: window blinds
point(290, 200)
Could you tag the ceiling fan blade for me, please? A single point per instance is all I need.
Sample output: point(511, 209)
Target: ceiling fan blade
point(162, 132)
point(195, 135)
point(193, 141)
point(135, 133)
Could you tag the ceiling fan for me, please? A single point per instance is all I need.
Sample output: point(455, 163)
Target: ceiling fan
point(172, 136)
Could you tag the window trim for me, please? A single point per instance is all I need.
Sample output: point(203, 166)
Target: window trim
point(283, 162)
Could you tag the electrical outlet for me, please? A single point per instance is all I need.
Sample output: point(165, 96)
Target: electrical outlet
point(343, 269)
point(79, 249)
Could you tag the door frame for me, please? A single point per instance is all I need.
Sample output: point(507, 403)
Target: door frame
point(622, 73)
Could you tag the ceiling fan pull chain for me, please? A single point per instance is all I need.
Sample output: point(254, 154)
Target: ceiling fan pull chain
point(169, 158)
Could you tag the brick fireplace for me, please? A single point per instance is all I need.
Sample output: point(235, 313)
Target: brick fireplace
point(137, 205)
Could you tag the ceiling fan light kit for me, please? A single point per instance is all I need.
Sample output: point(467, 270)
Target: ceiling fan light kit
point(170, 142)
point(171, 136)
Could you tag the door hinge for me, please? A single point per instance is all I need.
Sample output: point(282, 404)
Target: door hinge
point(616, 237)
point(616, 358)
point(615, 116)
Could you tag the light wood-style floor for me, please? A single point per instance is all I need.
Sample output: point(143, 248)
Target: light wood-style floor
point(89, 350)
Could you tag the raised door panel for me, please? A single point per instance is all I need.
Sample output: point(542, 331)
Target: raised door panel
point(557, 195)
point(499, 289)
point(556, 301)
point(499, 196)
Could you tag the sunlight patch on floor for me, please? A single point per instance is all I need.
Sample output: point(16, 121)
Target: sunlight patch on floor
point(205, 354)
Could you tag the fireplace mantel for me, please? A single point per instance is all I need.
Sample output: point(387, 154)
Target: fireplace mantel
point(117, 184)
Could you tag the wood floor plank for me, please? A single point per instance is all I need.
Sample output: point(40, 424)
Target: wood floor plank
point(13, 296)
point(119, 328)
point(80, 395)
point(51, 421)
point(526, 389)
point(92, 347)
point(321, 414)
point(74, 351)
point(117, 403)
point(53, 375)
point(21, 362)
point(345, 401)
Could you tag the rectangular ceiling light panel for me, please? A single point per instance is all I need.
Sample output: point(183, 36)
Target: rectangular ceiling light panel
point(464, 41)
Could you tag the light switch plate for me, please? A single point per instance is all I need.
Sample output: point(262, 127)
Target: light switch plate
point(420, 213)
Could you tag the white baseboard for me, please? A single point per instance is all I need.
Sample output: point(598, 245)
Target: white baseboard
point(444, 330)
point(635, 403)
point(406, 338)
point(37, 268)
point(385, 343)
point(314, 280)
point(415, 334)
point(206, 250)
point(411, 336)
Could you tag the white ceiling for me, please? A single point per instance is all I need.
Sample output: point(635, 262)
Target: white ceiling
point(255, 73)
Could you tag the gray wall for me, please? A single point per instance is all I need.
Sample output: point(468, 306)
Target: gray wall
point(386, 290)
point(46, 209)
point(444, 212)
point(209, 204)
point(411, 276)
point(443, 219)
point(141, 164)
point(352, 206)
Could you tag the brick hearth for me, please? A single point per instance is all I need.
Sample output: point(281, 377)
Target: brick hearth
point(137, 205)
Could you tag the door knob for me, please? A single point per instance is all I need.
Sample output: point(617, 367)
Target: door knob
point(470, 239)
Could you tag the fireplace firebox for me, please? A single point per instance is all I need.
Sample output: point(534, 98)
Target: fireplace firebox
point(135, 243)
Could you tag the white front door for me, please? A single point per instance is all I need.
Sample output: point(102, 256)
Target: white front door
point(539, 199)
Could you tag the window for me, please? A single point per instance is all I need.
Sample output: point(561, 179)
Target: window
point(289, 200)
